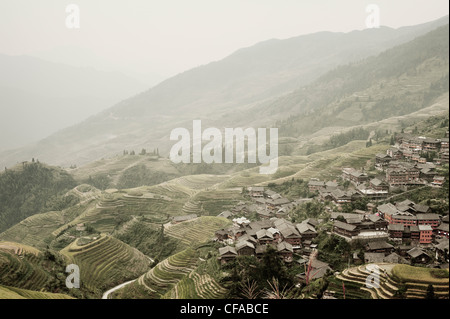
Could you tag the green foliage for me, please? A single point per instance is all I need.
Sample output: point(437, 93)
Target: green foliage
point(346, 137)
point(439, 273)
point(360, 203)
point(292, 189)
point(323, 103)
point(42, 272)
point(31, 189)
point(250, 269)
point(310, 209)
point(100, 181)
point(401, 292)
point(430, 292)
point(150, 241)
point(140, 175)
point(334, 250)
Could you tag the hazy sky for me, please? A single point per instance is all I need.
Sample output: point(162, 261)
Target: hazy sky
point(171, 36)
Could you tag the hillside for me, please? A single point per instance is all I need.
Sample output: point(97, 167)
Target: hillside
point(41, 230)
point(32, 188)
point(410, 77)
point(221, 92)
point(395, 277)
point(106, 262)
point(17, 293)
point(31, 273)
point(181, 276)
point(114, 216)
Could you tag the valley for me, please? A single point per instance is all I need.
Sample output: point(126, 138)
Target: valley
point(361, 182)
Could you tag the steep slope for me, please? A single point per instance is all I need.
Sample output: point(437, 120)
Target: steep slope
point(220, 92)
point(17, 293)
point(397, 82)
point(24, 267)
point(106, 262)
point(44, 229)
point(31, 188)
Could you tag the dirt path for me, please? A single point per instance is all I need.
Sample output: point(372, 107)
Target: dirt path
point(106, 294)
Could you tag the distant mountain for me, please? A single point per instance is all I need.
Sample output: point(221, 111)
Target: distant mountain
point(396, 82)
point(38, 98)
point(222, 93)
point(76, 56)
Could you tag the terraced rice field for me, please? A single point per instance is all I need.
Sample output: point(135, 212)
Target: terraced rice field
point(106, 262)
point(215, 201)
point(199, 182)
point(17, 293)
point(38, 230)
point(192, 207)
point(196, 286)
point(198, 230)
point(21, 265)
point(417, 280)
point(166, 274)
point(394, 277)
point(353, 290)
point(110, 209)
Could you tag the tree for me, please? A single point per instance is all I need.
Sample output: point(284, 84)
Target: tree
point(250, 289)
point(401, 292)
point(430, 292)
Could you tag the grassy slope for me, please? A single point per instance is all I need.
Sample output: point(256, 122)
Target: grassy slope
point(106, 263)
point(17, 293)
point(419, 274)
point(198, 230)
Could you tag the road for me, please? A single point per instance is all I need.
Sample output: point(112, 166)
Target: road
point(106, 294)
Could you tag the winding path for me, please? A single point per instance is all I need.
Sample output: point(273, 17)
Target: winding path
point(106, 294)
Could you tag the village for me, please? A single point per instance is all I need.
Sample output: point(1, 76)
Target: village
point(391, 231)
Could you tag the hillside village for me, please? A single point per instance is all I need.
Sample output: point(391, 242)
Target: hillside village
point(395, 231)
point(360, 191)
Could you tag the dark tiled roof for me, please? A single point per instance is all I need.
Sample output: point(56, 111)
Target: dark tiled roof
point(345, 226)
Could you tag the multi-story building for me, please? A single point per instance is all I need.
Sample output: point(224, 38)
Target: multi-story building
point(402, 175)
point(426, 234)
point(430, 145)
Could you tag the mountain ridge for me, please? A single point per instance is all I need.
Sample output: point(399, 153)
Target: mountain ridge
point(200, 93)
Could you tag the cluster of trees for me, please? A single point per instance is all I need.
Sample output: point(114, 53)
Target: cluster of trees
point(251, 278)
point(292, 189)
point(140, 175)
point(333, 249)
point(346, 137)
point(143, 152)
point(100, 181)
point(31, 189)
point(151, 242)
point(360, 203)
point(310, 209)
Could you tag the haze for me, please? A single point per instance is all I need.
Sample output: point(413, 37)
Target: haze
point(152, 40)
point(52, 77)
